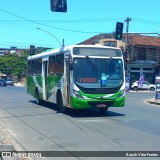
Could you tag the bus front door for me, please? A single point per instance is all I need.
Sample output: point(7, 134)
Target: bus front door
point(44, 77)
point(68, 83)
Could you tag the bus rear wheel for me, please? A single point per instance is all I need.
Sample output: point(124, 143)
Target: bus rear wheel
point(60, 105)
point(38, 101)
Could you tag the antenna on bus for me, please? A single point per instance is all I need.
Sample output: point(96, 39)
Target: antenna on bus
point(51, 35)
point(62, 42)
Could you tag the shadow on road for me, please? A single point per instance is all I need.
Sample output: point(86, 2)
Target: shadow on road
point(91, 113)
point(79, 113)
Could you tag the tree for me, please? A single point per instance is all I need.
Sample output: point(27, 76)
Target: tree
point(14, 64)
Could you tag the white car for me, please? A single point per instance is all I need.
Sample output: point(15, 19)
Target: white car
point(145, 86)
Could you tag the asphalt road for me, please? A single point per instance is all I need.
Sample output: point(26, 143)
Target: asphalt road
point(31, 127)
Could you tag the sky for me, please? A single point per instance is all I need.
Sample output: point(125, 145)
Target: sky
point(19, 20)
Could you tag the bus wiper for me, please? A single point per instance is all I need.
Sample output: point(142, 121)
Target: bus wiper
point(95, 66)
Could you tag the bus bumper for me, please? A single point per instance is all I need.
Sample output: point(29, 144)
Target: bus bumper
point(77, 103)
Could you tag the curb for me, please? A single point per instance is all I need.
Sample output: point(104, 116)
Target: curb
point(153, 101)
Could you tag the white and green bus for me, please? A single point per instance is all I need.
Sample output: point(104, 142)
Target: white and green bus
point(78, 77)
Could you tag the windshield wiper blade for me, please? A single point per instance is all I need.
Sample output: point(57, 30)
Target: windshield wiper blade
point(90, 59)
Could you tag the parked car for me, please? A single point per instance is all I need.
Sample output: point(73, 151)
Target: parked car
point(9, 82)
point(146, 86)
point(3, 82)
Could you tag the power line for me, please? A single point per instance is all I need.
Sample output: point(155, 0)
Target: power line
point(32, 21)
point(64, 21)
point(146, 22)
point(39, 22)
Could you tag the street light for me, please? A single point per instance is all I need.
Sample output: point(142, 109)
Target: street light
point(51, 35)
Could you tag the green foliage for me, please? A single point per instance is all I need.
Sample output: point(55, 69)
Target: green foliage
point(14, 64)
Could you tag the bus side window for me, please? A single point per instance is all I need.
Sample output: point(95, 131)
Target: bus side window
point(52, 62)
point(39, 66)
point(60, 64)
point(34, 67)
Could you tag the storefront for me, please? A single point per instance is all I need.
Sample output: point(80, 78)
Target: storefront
point(147, 68)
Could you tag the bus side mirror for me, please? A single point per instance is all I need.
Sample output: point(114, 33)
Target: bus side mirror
point(67, 56)
point(68, 60)
point(70, 65)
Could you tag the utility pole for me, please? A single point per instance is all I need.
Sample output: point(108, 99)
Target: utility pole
point(126, 48)
point(127, 28)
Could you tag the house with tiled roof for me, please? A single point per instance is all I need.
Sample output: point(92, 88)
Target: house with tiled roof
point(141, 53)
point(12, 50)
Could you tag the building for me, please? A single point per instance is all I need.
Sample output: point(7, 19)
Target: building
point(4, 51)
point(11, 50)
point(142, 53)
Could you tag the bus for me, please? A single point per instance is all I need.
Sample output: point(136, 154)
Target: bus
point(78, 77)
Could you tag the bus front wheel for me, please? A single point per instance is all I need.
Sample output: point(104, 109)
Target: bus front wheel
point(60, 105)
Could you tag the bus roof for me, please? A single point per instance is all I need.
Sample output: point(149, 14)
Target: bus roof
point(66, 48)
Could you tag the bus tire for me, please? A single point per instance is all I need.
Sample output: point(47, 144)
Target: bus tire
point(38, 100)
point(60, 105)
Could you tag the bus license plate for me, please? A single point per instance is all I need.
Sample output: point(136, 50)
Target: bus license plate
point(101, 105)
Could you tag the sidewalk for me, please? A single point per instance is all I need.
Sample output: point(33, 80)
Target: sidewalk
point(5, 144)
point(154, 101)
point(19, 84)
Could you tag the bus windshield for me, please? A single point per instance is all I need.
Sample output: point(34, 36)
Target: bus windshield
point(98, 72)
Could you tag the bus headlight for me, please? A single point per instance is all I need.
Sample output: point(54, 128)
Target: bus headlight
point(76, 93)
point(122, 93)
